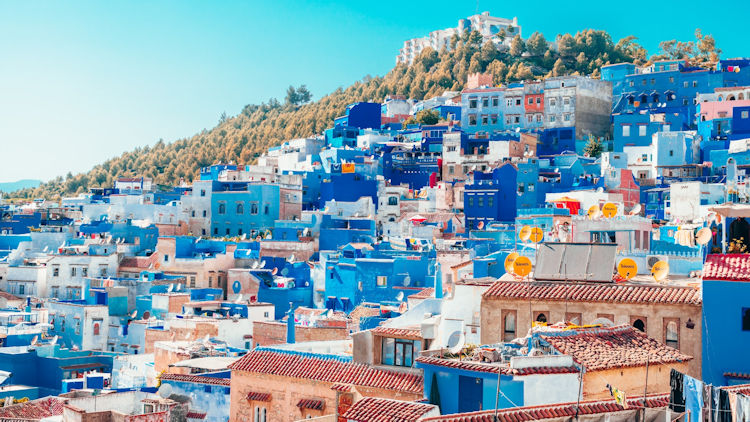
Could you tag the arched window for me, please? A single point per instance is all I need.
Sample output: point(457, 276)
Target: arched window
point(253, 208)
point(240, 209)
point(541, 317)
point(392, 200)
point(639, 325)
point(730, 98)
point(741, 96)
point(509, 327)
point(672, 335)
point(222, 208)
point(96, 328)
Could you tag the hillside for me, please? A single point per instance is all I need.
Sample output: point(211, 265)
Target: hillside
point(242, 137)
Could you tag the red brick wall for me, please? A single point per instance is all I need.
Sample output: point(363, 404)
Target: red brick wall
point(266, 333)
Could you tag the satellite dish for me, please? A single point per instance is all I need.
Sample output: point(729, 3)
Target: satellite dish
point(509, 260)
point(262, 264)
point(636, 209)
point(34, 340)
point(46, 248)
point(407, 281)
point(179, 287)
point(703, 236)
point(522, 266)
point(609, 209)
point(170, 288)
point(165, 390)
point(456, 342)
point(660, 270)
point(274, 271)
point(239, 299)
point(135, 313)
point(400, 296)
point(285, 271)
point(594, 212)
point(627, 268)
point(291, 259)
point(537, 235)
point(54, 340)
point(525, 233)
point(256, 264)
point(480, 225)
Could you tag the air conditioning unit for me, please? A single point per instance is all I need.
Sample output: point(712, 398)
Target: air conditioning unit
point(653, 259)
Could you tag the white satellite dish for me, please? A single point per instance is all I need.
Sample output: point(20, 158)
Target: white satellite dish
point(285, 271)
point(400, 296)
point(239, 299)
point(456, 342)
point(636, 209)
point(178, 288)
point(256, 264)
point(407, 280)
point(291, 259)
point(165, 390)
point(4, 376)
point(703, 236)
point(54, 340)
point(46, 248)
point(262, 264)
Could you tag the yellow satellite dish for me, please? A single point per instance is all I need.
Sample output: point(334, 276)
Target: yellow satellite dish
point(509, 260)
point(594, 212)
point(660, 270)
point(703, 236)
point(627, 268)
point(537, 235)
point(525, 233)
point(522, 266)
point(609, 210)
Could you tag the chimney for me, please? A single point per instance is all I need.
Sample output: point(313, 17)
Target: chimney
point(290, 325)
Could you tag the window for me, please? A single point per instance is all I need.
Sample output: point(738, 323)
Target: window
point(471, 201)
point(671, 332)
point(216, 231)
point(495, 101)
point(642, 130)
point(644, 82)
point(472, 120)
point(192, 281)
point(671, 153)
point(399, 352)
point(745, 114)
point(493, 119)
point(485, 102)
point(472, 103)
point(192, 213)
point(531, 100)
point(538, 100)
point(382, 281)
point(254, 208)
point(640, 324)
point(695, 84)
point(566, 100)
point(21, 289)
point(222, 208)
point(240, 209)
point(166, 258)
point(78, 327)
point(260, 414)
point(480, 201)
point(392, 200)
point(685, 84)
point(227, 231)
point(84, 272)
point(518, 101)
point(56, 271)
point(552, 118)
point(671, 79)
point(265, 210)
point(566, 117)
point(517, 119)
point(552, 102)
point(205, 213)
point(96, 328)
point(72, 271)
point(489, 201)
point(632, 83)
point(509, 326)
point(451, 170)
point(745, 319)
point(653, 81)
point(485, 120)
point(203, 192)
point(541, 317)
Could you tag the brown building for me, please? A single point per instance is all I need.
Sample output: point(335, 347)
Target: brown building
point(618, 356)
point(669, 314)
point(267, 333)
point(287, 385)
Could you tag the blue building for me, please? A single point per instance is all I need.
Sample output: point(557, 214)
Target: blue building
point(499, 194)
point(239, 208)
point(360, 116)
point(482, 110)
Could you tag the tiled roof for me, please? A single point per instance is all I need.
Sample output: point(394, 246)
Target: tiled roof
point(196, 415)
point(363, 311)
point(258, 396)
point(412, 333)
point(739, 375)
point(734, 267)
point(555, 411)
point(34, 410)
point(615, 347)
point(738, 389)
point(371, 409)
point(494, 368)
point(314, 404)
point(594, 292)
point(195, 379)
point(339, 386)
point(8, 296)
point(423, 294)
point(325, 368)
point(136, 261)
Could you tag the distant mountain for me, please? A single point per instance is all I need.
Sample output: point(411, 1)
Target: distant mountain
point(18, 185)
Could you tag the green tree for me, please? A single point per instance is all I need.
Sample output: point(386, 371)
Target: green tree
point(594, 147)
point(428, 117)
point(536, 45)
point(517, 46)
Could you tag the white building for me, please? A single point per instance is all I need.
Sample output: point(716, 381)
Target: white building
point(488, 26)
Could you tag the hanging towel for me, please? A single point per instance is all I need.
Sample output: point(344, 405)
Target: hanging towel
point(736, 408)
point(677, 394)
point(693, 399)
point(715, 403)
point(685, 237)
point(707, 408)
point(745, 400)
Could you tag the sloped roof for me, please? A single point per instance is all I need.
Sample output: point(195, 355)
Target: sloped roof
point(195, 379)
point(735, 267)
point(413, 333)
point(594, 292)
point(325, 368)
point(494, 368)
point(616, 347)
point(34, 410)
point(371, 409)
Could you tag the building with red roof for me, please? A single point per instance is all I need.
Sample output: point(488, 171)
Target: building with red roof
point(672, 315)
point(371, 409)
point(290, 385)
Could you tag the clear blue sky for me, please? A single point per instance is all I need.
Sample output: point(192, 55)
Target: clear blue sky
point(83, 81)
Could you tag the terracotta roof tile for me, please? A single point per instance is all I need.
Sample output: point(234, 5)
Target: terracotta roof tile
point(735, 267)
point(740, 375)
point(411, 333)
point(258, 396)
point(594, 292)
point(195, 379)
point(423, 294)
point(739, 389)
point(196, 415)
point(494, 368)
point(34, 410)
point(615, 347)
point(325, 368)
point(560, 411)
point(371, 409)
point(344, 388)
point(314, 404)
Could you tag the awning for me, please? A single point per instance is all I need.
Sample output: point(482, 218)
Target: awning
point(257, 396)
point(313, 404)
point(732, 210)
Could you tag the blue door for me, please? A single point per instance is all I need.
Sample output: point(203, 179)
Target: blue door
point(469, 394)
